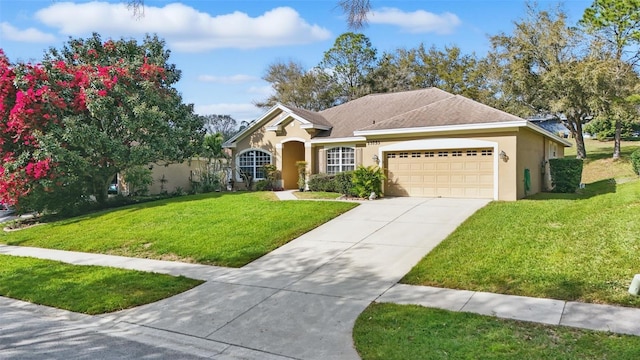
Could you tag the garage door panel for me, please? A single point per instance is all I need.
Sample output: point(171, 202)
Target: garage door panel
point(467, 174)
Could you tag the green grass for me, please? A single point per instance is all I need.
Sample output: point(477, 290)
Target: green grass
point(84, 289)
point(315, 195)
point(599, 165)
point(569, 247)
point(229, 229)
point(389, 331)
point(581, 247)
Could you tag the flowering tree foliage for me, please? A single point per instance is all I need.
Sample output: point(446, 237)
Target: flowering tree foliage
point(89, 111)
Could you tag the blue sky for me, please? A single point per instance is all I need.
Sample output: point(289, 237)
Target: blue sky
point(224, 47)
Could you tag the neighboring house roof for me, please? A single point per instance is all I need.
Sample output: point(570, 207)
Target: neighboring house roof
point(403, 111)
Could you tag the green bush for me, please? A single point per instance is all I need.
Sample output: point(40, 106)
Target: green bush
point(635, 161)
point(367, 180)
point(565, 174)
point(322, 182)
point(344, 183)
point(138, 179)
point(263, 185)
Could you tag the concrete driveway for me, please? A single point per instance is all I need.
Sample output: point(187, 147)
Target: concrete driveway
point(298, 302)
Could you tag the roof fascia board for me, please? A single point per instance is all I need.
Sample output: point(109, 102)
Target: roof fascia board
point(230, 143)
point(483, 126)
point(315, 126)
point(351, 139)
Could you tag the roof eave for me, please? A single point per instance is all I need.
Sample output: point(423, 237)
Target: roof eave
point(482, 126)
point(442, 128)
point(315, 126)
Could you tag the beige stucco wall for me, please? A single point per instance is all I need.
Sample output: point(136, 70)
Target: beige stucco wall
point(176, 176)
point(530, 155)
point(273, 142)
point(525, 149)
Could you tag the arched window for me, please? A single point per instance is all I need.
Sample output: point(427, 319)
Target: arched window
point(340, 159)
point(251, 162)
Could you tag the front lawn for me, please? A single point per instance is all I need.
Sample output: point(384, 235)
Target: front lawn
point(316, 195)
point(569, 247)
point(225, 229)
point(599, 165)
point(84, 289)
point(390, 331)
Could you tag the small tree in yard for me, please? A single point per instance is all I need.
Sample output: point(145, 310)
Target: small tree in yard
point(302, 174)
point(92, 109)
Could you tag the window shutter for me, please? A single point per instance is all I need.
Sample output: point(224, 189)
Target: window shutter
point(322, 161)
point(358, 156)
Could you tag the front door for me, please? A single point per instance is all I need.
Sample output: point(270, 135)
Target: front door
point(292, 151)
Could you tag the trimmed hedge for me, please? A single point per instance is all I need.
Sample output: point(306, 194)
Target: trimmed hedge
point(322, 182)
point(565, 174)
point(635, 161)
point(344, 183)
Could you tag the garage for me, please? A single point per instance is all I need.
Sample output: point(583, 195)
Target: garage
point(456, 173)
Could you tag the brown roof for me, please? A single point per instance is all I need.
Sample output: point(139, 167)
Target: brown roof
point(455, 110)
point(310, 116)
point(373, 109)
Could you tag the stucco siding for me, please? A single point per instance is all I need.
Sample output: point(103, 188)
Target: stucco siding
point(174, 175)
point(530, 155)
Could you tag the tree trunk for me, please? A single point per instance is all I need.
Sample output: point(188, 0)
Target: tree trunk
point(616, 140)
point(575, 127)
point(101, 188)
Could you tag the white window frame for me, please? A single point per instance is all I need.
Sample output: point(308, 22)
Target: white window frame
point(342, 164)
point(255, 167)
point(553, 150)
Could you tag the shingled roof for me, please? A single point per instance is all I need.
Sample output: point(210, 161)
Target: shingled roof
point(454, 110)
point(312, 117)
point(373, 109)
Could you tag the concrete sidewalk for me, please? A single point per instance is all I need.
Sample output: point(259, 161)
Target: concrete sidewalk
point(297, 302)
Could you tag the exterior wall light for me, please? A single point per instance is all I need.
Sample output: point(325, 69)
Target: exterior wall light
point(503, 156)
point(376, 159)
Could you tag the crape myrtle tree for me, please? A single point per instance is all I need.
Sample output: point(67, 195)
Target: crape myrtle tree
point(92, 109)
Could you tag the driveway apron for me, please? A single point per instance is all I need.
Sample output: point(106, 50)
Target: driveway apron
point(301, 300)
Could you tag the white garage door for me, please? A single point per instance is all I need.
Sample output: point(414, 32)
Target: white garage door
point(458, 173)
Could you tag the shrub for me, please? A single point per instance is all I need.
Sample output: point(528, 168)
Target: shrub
point(635, 161)
point(302, 174)
point(565, 174)
point(138, 179)
point(344, 183)
point(263, 185)
point(322, 182)
point(271, 174)
point(367, 180)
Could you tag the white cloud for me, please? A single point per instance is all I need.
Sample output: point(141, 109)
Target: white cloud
point(233, 79)
point(30, 35)
point(184, 28)
point(419, 21)
point(239, 112)
point(263, 91)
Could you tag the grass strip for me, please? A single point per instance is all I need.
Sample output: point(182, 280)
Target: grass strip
point(391, 331)
point(84, 289)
